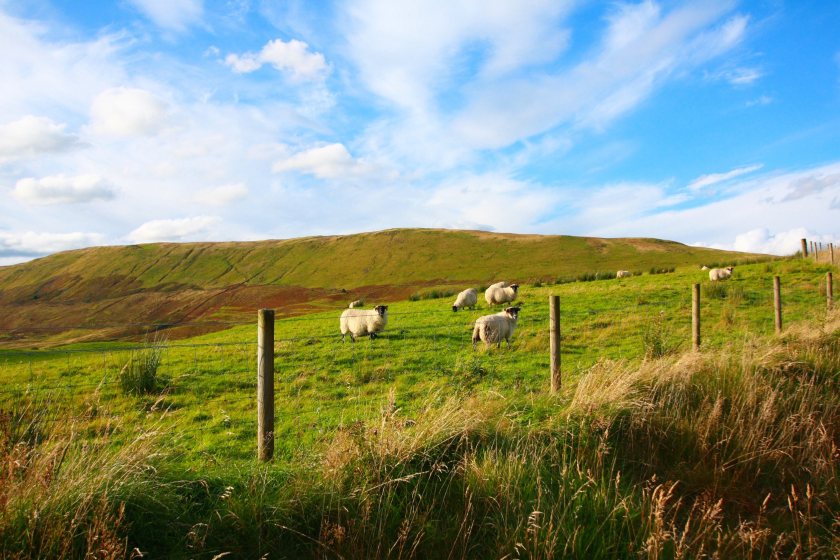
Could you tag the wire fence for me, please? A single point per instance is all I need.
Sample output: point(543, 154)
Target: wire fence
point(205, 390)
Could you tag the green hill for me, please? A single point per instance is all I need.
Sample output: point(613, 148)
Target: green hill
point(102, 287)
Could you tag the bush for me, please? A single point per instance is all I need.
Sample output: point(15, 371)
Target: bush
point(433, 293)
point(139, 376)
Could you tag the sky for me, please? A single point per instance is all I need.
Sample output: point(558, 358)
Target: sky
point(713, 123)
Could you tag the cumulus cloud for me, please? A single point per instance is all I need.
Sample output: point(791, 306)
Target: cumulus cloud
point(222, 195)
point(173, 15)
point(127, 112)
point(291, 58)
point(33, 244)
point(762, 240)
point(332, 161)
point(61, 189)
point(173, 230)
point(31, 135)
point(714, 178)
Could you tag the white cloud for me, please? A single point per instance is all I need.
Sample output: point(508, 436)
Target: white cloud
point(762, 240)
point(127, 112)
point(60, 189)
point(31, 244)
point(760, 101)
point(222, 195)
point(332, 161)
point(173, 230)
point(174, 15)
point(31, 135)
point(292, 58)
point(715, 178)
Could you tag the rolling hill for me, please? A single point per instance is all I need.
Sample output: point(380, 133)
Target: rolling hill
point(107, 292)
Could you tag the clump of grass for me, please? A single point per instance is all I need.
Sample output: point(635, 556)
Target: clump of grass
point(714, 290)
point(657, 338)
point(433, 293)
point(661, 270)
point(139, 375)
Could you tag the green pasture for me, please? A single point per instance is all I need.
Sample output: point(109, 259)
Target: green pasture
point(205, 399)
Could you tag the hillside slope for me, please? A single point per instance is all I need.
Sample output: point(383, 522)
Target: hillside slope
point(178, 282)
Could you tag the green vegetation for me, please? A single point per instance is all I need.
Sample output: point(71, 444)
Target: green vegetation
point(413, 445)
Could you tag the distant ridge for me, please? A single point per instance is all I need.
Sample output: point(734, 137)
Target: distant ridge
point(191, 282)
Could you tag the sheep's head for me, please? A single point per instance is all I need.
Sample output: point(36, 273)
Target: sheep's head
point(381, 309)
point(454, 308)
point(512, 312)
point(515, 287)
point(730, 269)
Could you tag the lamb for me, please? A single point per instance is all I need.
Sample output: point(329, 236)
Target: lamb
point(500, 292)
point(360, 322)
point(467, 298)
point(720, 273)
point(494, 328)
point(623, 274)
point(357, 303)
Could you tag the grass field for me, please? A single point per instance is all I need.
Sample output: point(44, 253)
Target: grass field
point(363, 430)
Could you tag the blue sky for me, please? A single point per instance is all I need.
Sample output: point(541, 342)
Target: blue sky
point(714, 123)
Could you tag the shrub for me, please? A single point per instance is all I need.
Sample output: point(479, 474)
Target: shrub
point(433, 293)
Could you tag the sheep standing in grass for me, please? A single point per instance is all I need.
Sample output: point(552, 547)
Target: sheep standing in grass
point(467, 298)
point(361, 322)
point(357, 303)
point(704, 267)
point(720, 273)
point(623, 274)
point(500, 292)
point(494, 328)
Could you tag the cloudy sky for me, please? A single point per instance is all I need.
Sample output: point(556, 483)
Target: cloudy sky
point(132, 121)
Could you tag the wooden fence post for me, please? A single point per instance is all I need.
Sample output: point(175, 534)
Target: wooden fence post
point(829, 289)
point(554, 338)
point(777, 303)
point(804, 248)
point(831, 251)
point(265, 384)
point(695, 317)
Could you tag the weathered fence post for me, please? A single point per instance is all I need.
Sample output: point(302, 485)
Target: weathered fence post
point(554, 338)
point(829, 289)
point(831, 252)
point(265, 384)
point(804, 248)
point(777, 302)
point(695, 317)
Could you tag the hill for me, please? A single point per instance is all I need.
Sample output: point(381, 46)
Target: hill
point(106, 290)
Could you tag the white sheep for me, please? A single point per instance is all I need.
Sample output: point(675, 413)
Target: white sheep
point(500, 293)
point(360, 322)
point(494, 328)
point(623, 274)
point(704, 267)
point(357, 303)
point(720, 273)
point(467, 298)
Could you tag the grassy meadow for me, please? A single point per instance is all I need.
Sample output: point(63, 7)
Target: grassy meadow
point(414, 445)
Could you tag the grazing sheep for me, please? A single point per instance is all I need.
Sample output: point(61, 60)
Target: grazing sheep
point(500, 293)
point(704, 267)
point(720, 273)
point(357, 303)
point(359, 322)
point(494, 328)
point(467, 298)
point(623, 274)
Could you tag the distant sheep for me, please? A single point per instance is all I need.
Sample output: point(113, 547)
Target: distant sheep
point(467, 298)
point(495, 328)
point(623, 274)
point(500, 292)
point(704, 267)
point(357, 303)
point(720, 273)
point(361, 322)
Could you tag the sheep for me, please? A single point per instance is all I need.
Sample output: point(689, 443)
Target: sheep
point(623, 274)
point(494, 328)
point(704, 267)
point(357, 303)
point(500, 293)
point(720, 273)
point(359, 322)
point(467, 298)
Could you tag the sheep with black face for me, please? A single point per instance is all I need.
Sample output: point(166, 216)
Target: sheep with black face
point(361, 322)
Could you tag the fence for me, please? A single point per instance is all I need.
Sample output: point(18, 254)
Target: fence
point(309, 383)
